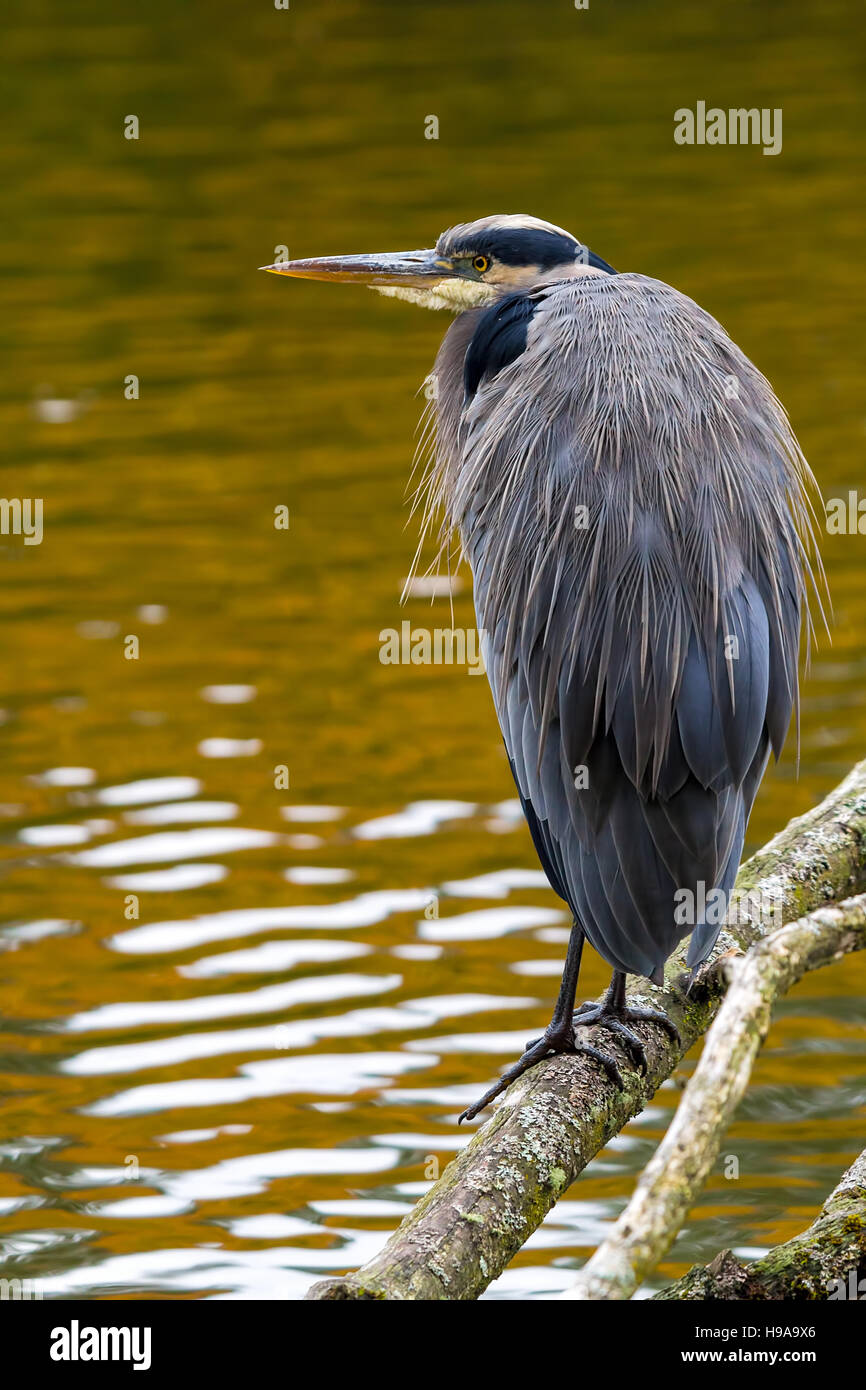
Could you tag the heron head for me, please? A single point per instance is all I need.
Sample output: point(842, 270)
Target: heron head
point(471, 264)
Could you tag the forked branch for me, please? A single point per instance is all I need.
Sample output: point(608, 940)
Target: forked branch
point(557, 1116)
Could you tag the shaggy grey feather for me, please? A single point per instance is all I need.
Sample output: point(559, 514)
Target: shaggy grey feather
point(634, 507)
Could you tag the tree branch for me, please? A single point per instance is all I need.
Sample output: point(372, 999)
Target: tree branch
point(557, 1116)
point(826, 1261)
point(680, 1165)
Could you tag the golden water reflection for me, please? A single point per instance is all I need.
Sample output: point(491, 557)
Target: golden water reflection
point(242, 1090)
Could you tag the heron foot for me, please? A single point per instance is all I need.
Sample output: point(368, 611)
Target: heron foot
point(556, 1039)
point(616, 1021)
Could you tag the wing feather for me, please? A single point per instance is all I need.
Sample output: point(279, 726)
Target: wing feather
point(635, 539)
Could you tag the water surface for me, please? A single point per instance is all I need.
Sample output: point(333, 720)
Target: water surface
point(245, 1087)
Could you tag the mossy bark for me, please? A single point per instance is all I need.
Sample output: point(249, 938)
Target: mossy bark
point(557, 1116)
point(826, 1261)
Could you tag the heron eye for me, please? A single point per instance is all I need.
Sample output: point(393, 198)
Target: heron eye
point(480, 263)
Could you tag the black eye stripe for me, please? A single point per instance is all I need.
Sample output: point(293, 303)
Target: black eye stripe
point(520, 246)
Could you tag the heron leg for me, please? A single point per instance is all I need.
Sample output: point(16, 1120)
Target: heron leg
point(558, 1037)
point(614, 1014)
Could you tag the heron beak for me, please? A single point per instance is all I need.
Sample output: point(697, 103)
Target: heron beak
point(418, 268)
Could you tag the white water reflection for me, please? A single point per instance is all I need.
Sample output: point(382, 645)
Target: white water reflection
point(51, 836)
point(265, 1274)
point(307, 875)
point(426, 1143)
point(65, 777)
point(152, 613)
point(230, 747)
point(363, 911)
point(495, 885)
point(202, 1136)
point(453, 1098)
point(338, 1074)
point(10, 1204)
point(138, 1208)
point(507, 1043)
point(149, 1013)
point(253, 1173)
point(360, 1206)
point(186, 1047)
point(419, 818)
point(415, 950)
point(173, 844)
point(228, 694)
point(304, 842)
point(37, 931)
point(178, 879)
point(274, 1226)
point(148, 789)
point(272, 957)
point(539, 968)
point(487, 923)
point(338, 1083)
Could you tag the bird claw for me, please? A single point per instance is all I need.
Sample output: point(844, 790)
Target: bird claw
point(631, 1042)
point(558, 1040)
point(553, 1042)
point(654, 1016)
point(616, 1022)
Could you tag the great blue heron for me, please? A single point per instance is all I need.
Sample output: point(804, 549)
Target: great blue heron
point(634, 507)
